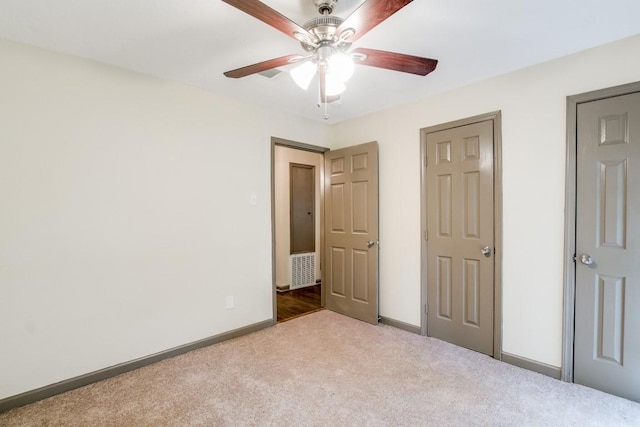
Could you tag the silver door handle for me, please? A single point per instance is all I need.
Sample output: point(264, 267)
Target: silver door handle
point(370, 243)
point(586, 259)
point(486, 251)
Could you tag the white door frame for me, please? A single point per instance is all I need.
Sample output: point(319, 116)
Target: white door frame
point(305, 147)
point(568, 323)
point(496, 117)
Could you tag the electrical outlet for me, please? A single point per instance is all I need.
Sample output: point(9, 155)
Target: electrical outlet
point(228, 302)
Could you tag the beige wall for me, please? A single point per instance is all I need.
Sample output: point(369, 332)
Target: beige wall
point(124, 222)
point(533, 104)
point(283, 156)
point(125, 215)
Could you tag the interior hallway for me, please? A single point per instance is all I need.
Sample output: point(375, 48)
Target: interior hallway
point(298, 302)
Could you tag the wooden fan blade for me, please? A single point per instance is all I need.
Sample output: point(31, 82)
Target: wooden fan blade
point(370, 14)
point(269, 16)
point(396, 61)
point(260, 66)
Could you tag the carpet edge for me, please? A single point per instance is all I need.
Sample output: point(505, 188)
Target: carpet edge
point(63, 386)
point(400, 325)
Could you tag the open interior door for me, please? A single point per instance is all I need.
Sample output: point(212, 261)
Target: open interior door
point(351, 231)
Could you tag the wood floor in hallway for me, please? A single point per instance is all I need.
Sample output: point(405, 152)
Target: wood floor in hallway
point(297, 302)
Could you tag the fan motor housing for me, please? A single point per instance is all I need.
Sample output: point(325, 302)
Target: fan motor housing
point(323, 28)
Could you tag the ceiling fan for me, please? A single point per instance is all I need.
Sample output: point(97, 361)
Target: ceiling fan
point(326, 40)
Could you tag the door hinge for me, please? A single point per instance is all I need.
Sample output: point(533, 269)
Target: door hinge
point(426, 235)
point(575, 257)
point(426, 161)
point(426, 311)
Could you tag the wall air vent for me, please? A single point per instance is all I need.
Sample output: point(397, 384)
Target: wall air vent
point(302, 270)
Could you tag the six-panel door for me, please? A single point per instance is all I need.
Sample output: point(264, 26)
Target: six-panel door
point(351, 231)
point(460, 224)
point(607, 305)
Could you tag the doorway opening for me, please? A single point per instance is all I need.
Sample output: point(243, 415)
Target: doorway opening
point(297, 195)
point(346, 242)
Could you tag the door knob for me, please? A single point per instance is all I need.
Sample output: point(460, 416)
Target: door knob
point(370, 243)
point(486, 251)
point(586, 259)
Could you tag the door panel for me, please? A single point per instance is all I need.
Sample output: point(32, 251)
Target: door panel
point(471, 292)
point(445, 288)
point(360, 270)
point(607, 319)
point(359, 192)
point(337, 275)
point(471, 211)
point(444, 198)
point(302, 208)
point(460, 223)
point(338, 205)
point(351, 206)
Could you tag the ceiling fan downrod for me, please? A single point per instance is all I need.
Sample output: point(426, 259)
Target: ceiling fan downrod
point(325, 7)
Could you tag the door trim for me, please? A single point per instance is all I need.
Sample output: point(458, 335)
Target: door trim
point(304, 147)
point(496, 118)
point(569, 273)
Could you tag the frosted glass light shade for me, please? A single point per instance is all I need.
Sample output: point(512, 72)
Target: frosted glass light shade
point(341, 66)
point(334, 86)
point(303, 74)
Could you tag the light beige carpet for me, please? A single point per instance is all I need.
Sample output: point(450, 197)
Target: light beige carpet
point(329, 370)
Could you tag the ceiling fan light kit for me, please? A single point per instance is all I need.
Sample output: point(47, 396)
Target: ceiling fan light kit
point(328, 39)
point(341, 65)
point(334, 87)
point(339, 68)
point(303, 74)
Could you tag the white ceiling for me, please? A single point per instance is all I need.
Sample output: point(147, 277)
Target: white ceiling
point(195, 41)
